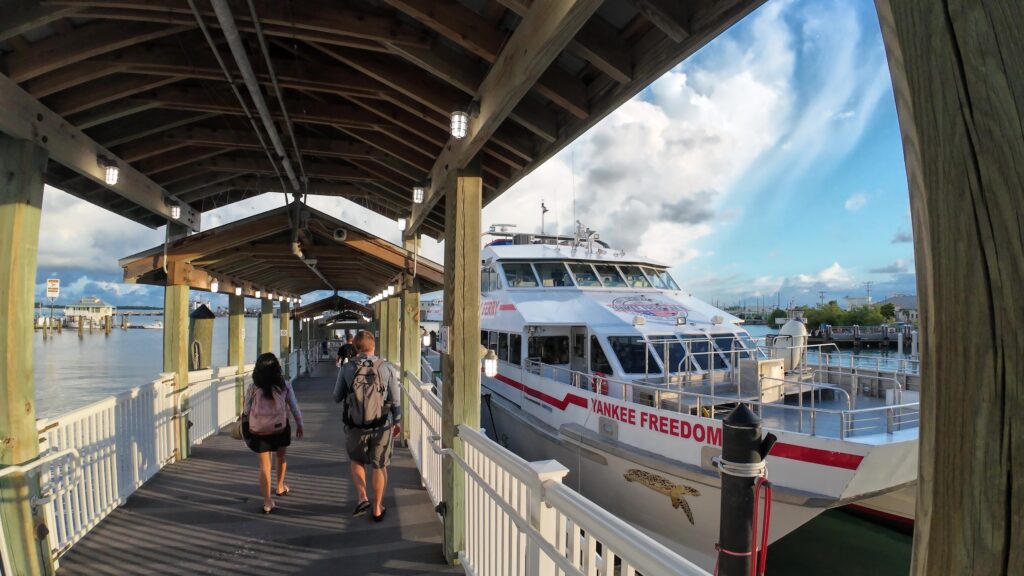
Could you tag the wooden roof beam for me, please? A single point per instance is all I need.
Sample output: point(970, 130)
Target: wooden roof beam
point(150, 124)
point(669, 16)
point(328, 170)
point(246, 140)
point(597, 42)
point(427, 90)
point(21, 16)
point(110, 112)
point(544, 33)
point(474, 33)
point(309, 112)
point(100, 92)
point(87, 41)
point(321, 16)
point(24, 117)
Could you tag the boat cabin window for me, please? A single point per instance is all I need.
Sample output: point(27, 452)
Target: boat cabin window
point(550, 349)
point(598, 361)
point(503, 346)
point(634, 355)
point(489, 280)
point(635, 277)
point(585, 275)
point(725, 344)
point(519, 275)
point(661, 279)
point(610, 276)
point(553, 274)
point(515, 349)
point(671, 353)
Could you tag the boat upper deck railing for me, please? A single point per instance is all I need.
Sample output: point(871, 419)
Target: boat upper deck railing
point(790, 405)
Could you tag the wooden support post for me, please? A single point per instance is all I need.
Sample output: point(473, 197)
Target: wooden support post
point(461, 363)
point(236, 344)
point(286, 340)
point(22, 164)
point(957, 72)
point(385, 328)
point(297, 335)
point(410, 340)
point(176, 358)
point(394, 334)
point(265, 328)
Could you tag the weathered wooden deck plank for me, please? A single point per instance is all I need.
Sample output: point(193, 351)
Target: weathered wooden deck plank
point(202, 516)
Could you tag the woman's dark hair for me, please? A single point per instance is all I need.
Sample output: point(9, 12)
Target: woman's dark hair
point(267, 374)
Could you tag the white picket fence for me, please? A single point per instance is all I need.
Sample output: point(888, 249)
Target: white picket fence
point(123, 441)
point(520, 518)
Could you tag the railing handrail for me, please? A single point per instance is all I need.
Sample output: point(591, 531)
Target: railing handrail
point(576, 377)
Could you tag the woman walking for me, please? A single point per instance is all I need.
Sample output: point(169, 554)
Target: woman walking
point(265, 423)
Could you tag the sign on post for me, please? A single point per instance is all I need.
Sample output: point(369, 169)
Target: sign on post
point(53, 288)
point(442, 340)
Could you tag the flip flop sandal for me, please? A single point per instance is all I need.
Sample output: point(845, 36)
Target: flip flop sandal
point(381, 517)
point(362, 508)
point(287, 491)
point(268, 509)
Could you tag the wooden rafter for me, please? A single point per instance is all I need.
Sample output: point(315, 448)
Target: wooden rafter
point(544, 32)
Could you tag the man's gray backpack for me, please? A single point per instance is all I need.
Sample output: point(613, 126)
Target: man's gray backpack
point(367, 404)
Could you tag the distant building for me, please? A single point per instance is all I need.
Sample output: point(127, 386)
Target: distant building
point(905, 306)
point(857, 301)
point(90, 308)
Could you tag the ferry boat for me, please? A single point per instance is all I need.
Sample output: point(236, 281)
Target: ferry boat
point(607, 366)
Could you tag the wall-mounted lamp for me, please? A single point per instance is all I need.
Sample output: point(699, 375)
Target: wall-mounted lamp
point(258, 294)
point(402, 223)
point(490, 364)
point(238, 290)
point(110, 169)
point(418, 192)
point(214, 285)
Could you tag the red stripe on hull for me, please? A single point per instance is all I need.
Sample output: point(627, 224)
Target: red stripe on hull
point(560, 404)
point(816, 456)
point(888, 516)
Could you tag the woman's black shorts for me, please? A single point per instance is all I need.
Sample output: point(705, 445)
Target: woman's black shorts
point(269, 443)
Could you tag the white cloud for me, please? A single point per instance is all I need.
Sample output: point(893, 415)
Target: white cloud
point(855, 202)
point(834, 276)
point(652, 175)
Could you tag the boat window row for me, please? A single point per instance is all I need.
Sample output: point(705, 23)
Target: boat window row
point(578, 274)
point(680, 353)
point(507, 345)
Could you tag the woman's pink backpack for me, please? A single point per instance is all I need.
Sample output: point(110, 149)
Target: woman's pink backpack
point(268, 415)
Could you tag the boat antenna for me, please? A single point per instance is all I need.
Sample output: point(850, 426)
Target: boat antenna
point(543, 211)
point(572, 162)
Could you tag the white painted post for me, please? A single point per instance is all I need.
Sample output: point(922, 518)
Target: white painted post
point(899, 343)
point(913, 344)
point(543, 517)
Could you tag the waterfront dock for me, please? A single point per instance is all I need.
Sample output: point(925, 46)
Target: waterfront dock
point(202, 515)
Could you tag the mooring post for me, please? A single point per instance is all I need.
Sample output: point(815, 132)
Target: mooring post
point(739, 466)
point(22, 163)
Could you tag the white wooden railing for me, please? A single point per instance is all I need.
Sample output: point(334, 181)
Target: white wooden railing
point(519, 517)
point(124, 440)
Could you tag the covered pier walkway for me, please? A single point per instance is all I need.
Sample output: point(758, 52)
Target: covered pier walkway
point(202, 515)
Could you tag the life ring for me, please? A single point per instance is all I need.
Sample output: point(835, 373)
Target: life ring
point(599, 383)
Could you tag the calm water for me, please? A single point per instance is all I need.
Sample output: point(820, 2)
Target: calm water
point(73, 371)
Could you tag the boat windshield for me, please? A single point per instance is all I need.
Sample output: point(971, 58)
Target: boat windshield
point(519, 275)
point(671, 352)
point(634, 355)
point(661, 279)
point(610, 276)
point(635, 277)
point(585, 275)
point(553, 274)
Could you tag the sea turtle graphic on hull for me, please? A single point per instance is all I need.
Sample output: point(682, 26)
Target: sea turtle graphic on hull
point(676, 492)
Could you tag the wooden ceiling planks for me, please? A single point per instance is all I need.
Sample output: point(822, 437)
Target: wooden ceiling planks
point(368, 84)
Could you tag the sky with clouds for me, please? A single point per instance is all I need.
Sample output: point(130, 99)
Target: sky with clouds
point(768, 165)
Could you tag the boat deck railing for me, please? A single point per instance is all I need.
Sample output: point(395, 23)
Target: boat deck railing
point(792, 405)
point(519, 517)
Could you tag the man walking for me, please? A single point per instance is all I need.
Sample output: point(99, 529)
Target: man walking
point(368, 389)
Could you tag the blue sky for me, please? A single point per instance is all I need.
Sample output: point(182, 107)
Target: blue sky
point(768, 162)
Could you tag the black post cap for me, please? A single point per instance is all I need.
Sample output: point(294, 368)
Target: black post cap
point(742, 417)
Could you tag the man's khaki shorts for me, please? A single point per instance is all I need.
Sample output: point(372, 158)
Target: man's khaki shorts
point(369, 446)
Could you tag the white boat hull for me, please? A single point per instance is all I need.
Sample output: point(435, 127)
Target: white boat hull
point(603, 478)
